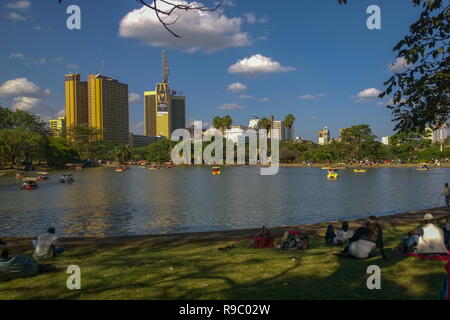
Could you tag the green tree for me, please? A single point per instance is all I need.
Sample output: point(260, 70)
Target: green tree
point(159, 151)
point(59, 152)
point(356, 140)
point(403, 144)
point(421, 94)
point(222, 123)
point(289, 122)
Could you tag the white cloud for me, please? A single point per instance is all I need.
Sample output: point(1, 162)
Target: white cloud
point(199, 30)
point(134, 98)
point(262, 38)
point(39, 28)
point(19, 5)
point(72, 66)
point(34, 105)
point(265, 99)
point(236, 87)
point(229, 3)
point(258, 64)
point(36, 62)
point(231, 106)
point(251, 18)
point(312, 96)
point(244, 96)
point(16, 17)
point(20, 87)
point(399, 65)
point(19, 56)
point(367, 94)
point(61, 113)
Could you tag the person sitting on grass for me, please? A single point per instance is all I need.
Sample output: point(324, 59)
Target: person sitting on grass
point(45, 245)
point(19, 266)
point(365, 240)
point(341, 236)
point(428, 238)
point(292, 240)
point(263, 239)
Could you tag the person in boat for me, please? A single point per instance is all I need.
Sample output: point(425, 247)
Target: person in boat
point(29, 184)
point(343, 235)
point(45, 245)
point(428, 238)
point(365, 240)
point(20, 266)
point(66, 177)
point(263, 239)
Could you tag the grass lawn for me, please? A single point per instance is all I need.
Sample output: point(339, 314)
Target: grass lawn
point(191, 267)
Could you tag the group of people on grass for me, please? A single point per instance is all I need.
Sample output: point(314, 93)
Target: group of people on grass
point(21, 266)
point(361, 243)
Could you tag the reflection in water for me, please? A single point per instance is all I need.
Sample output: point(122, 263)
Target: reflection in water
point(103, 202)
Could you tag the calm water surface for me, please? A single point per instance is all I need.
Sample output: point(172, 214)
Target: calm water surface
point(103, 202)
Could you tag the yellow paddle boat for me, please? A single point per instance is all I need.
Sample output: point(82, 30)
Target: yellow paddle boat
point(215, 171)
point(359, 170)
point(423, 169)
point(326, 168)
point(332, 175)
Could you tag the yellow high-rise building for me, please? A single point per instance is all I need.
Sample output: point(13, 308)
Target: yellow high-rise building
point(108, 108)
point(164, 111)
point(100, 103)
point(76, 101)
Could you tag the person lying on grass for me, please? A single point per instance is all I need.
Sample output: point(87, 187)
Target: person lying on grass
point(340, 237)
point(292, 240)
point(365, 240)
point(428, 238)
point(19, 266)
point(45, 245)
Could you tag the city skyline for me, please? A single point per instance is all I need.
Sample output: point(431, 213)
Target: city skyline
point(322, 76)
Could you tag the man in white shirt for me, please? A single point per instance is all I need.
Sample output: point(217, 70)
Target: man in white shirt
point(45, 246)
point(429, 238)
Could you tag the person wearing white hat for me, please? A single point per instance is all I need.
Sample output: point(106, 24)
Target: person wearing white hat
point(429, 238)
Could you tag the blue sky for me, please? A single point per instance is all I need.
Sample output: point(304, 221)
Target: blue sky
point(310, 58)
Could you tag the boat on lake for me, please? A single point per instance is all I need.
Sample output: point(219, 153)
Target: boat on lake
point(66, 178)
point(29, 184)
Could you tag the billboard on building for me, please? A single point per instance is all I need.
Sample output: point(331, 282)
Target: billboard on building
point(162, 97)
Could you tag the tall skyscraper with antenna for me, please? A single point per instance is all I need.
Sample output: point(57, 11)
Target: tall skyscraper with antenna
point(164, 110)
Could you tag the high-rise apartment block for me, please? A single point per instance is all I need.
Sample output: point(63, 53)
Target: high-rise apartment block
point(101, 103)
point(164, 110)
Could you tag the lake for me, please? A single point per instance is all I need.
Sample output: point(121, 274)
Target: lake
point(103, 202)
